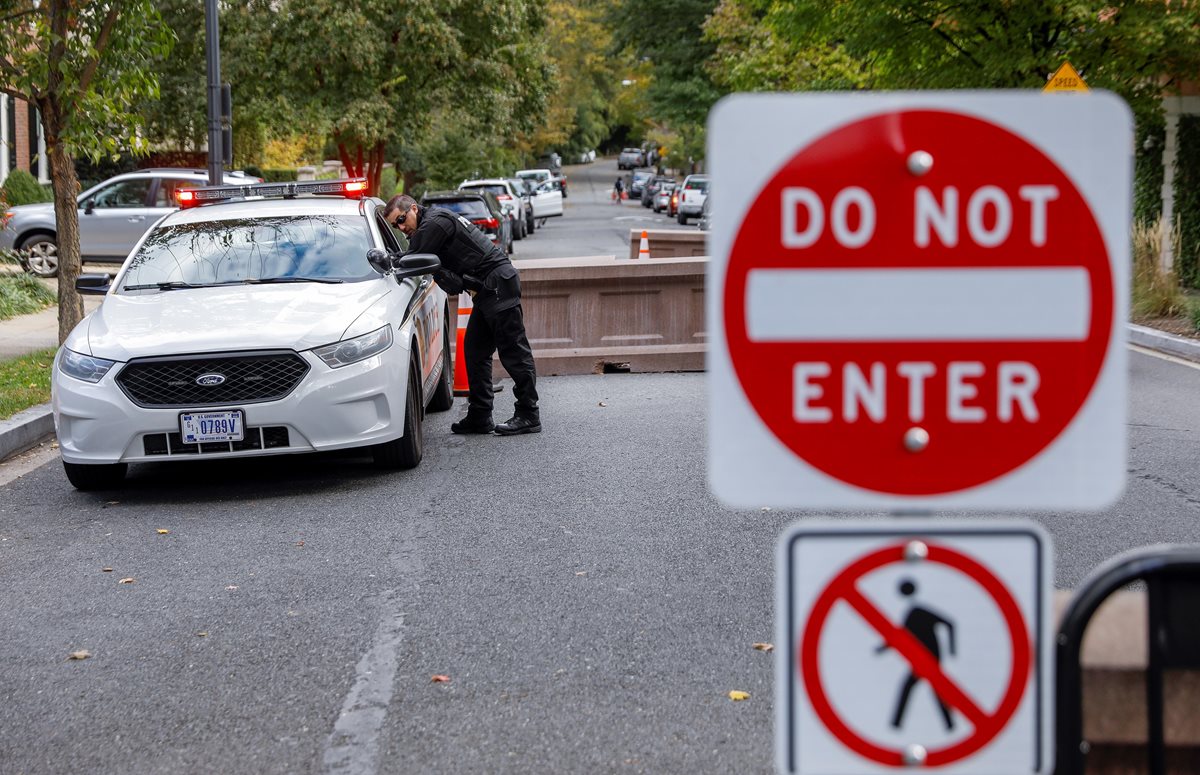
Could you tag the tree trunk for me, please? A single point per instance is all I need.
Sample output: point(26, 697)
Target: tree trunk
point(66, 216)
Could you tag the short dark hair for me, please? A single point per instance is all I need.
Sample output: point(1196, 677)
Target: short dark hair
point(402, 202)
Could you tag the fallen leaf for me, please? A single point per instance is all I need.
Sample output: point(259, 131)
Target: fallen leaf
point(581, 573)
point(162, 532)
point(602, 404)
point(126, 580)
point(768, 647)
point(231, 587)
point(107, 570)
point(441, 679)
point(299, 543)
point(111, 503)
point(81, 654)
point(202, 634)
point(737, 696)
point(766, 508)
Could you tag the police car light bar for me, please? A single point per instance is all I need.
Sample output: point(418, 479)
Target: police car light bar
point(353, 188)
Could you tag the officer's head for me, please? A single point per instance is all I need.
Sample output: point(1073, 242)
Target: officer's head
point(401, 212)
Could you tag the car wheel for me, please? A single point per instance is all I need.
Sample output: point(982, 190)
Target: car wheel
point(443, 394)
point(105, 476)
point(519, 226)
point(509, 247)
point(39, 253)
point(531, 225)
point(682, 219)
point(406, 451)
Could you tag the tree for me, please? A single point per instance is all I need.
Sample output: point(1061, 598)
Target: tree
point(84, 65)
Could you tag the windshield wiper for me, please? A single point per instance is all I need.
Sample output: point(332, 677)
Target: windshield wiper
point(168, 286)
point(268, 280)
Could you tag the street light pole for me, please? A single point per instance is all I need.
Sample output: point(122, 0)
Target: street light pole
point(212, 47)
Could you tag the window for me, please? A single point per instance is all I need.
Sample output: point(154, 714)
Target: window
point(167, 188)
point(393, 239)
point(127, 193)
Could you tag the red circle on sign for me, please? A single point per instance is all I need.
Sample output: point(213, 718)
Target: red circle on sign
point(987, 725)
point(968, 154)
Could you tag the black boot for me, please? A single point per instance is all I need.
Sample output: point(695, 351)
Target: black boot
point(520, 423)
point(476, 424)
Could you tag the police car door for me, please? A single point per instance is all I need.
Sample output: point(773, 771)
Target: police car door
point(427, 316)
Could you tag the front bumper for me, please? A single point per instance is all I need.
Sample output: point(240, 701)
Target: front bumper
point(357, 405)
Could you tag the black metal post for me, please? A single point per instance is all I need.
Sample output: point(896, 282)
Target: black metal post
point(212, 46)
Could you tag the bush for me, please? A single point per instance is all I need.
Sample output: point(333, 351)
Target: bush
point(1155, 290)
point(251, 169)
point(21, 294)
point(21, 188)
point(278, 175)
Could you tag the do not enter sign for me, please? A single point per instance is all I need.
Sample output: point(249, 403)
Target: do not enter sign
point(919, 299)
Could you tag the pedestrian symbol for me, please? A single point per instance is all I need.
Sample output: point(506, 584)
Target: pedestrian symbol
point(923, 624)
point(921, 646)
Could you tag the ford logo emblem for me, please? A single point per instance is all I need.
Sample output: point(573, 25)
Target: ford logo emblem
point(208, 380)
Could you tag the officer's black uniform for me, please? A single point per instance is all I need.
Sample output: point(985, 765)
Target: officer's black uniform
point(471, 261)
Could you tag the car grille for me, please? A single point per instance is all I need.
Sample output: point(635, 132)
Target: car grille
point(249, 378)
point(270, 437)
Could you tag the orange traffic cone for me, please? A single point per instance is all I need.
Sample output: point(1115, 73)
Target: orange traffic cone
point(460, 362)
point(644, 247)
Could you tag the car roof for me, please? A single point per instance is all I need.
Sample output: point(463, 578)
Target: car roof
point(484, 182)
point(262, 208)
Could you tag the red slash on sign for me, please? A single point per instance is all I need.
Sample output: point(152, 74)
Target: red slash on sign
point(986, 725)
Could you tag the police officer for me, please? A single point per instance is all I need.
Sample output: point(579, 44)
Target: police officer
point(470, 261)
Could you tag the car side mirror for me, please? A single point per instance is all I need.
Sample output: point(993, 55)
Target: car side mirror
point(379, 260)
point(415, 264)
point(89, 207)
point(93, 284)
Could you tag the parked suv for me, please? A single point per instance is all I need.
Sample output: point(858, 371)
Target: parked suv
point(631, 158)
point(692, 196)
point(511, 201)
point(113, 216)
point(480, 208)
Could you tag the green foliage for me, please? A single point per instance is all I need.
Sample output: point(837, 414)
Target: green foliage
point(1194, 315)
point(1148, 169)
point(1187, 201)
point(278, 175)
point(24, 381)
point(1156, 291)
point(21, 293)
point(387, 184)
point(22, 188)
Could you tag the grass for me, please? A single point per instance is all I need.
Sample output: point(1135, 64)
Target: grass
point(20, 293)
point(1156, 291)
point(25, 382)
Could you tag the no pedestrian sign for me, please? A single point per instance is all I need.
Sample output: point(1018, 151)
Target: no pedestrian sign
point(917, 645)
point(919, 300)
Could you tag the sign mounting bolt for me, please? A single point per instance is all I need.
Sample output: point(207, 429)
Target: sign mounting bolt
point(915, 551)
point(916, 439)
point(920, 162)
point(914, 755)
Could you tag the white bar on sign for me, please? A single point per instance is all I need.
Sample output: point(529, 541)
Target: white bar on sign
point(915, 305)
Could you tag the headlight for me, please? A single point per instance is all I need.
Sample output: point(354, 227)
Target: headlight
point(83, 367)
point(359, 348)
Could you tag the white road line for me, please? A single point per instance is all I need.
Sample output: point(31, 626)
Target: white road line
point(919, 304)
point(1165, 356)
point(353, 746)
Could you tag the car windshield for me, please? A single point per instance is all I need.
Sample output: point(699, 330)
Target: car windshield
point(238, 250)
point(471, 208)
point(697, 185)
point(495, 188)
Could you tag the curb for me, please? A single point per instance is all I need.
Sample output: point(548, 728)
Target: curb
point(1161, 341)
point(25, 429)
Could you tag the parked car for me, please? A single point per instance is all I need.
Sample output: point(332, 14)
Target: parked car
point(547, 201)
point(113, 216)
point(551, 161)
point(248, 327)
point(705, 222)
point(537, 175)
point(692, 195)
point(637, 181)
point(662, 197)
point(586, 157)
point(631, 158)
point(651, 188)
point(525, 189)
point(480, 208)
point(510, 200)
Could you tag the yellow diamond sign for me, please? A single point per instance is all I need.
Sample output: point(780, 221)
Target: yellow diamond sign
point(1066, 78)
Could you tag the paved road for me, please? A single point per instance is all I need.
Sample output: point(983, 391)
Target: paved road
point(590, 602)
point(591, 224)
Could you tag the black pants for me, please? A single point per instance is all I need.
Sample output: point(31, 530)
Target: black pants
point(489, 331)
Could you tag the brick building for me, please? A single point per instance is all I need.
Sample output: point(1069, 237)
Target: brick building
point(22, 143)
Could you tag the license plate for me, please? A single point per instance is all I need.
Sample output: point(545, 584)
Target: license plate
point(200, 427)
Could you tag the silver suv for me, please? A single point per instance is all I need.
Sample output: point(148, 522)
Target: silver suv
point(113, 216)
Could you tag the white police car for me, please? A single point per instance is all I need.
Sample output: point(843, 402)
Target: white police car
point(257, 320)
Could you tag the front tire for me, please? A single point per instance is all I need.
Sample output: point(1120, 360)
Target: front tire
point(106, 476)
point(443, 394)
point(39, 253)
point(405, 452)
point(682, 219)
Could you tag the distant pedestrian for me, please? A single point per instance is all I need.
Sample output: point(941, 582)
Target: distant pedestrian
point(618, 190)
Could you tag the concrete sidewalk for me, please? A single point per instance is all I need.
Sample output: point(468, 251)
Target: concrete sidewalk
point(39, 331)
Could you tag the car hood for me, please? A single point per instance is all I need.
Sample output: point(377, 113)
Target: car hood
point(294, 316)
point(39, 208)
